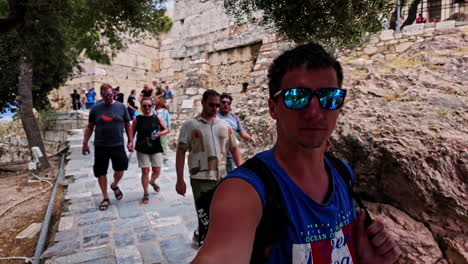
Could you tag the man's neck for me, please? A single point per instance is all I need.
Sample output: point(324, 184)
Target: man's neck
point(306, 169)
point(210, 119)
point(300, 162)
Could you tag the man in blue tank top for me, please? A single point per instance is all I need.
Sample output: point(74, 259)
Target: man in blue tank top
point(306, 94)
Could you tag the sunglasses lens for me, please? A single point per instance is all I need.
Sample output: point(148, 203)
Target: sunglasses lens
point(297, 98)
point(331, 98)
point(214, 105)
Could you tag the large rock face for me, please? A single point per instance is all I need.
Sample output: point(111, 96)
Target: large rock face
point(404, 130)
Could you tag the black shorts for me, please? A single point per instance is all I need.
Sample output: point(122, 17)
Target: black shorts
point(101, 159)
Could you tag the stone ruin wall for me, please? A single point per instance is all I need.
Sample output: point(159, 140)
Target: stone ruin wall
point(14, 144)
point(139, 64)
point(387, 44)
point(205, 49)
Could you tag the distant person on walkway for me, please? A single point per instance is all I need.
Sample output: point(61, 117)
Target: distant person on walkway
point(131, 106)
point(159, 92)
point(420, 19)
point(162, 110)
point(208, 139)
point(225, 114)
point(118, 96)
point(305, 214)
point(109, 118)
point(149, 128)
point(168, 95)
point(76, 100)
point(90, 98)
point(146, 92)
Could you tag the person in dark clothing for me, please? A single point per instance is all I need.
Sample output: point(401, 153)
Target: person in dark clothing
point(149, 127)
point(108, 118)
point(131, 106)
point(76, 100)
point(118, 96)
point(146, 92)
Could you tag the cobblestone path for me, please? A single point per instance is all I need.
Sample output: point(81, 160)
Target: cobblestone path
point(129, 231)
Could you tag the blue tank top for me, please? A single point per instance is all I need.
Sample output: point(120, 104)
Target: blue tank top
point(318, 233)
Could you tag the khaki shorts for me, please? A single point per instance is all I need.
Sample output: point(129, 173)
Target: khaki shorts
point(147, 160)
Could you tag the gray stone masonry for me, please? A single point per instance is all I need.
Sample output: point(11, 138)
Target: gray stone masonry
point(128, 231)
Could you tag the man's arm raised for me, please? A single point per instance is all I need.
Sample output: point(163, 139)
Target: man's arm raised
point(233, 222)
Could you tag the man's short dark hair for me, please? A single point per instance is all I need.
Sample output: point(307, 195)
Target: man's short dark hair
point(226, 95)
point(311, 56)
point(105, 86)
point(208, 93)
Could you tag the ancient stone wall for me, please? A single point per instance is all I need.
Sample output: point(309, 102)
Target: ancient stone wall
point(14, 144)
point(137, 65)
point(389, 43)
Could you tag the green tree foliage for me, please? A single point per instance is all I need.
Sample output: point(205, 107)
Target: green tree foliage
point(53, 35)
point(333, 23)
point(41, 43)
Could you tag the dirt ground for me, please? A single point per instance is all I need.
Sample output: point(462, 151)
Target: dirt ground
point(16, 186)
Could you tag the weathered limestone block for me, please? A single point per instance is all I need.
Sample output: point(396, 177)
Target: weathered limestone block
point(428, 32)
point(215, 59)
point(403, 46)
point(191, 91)
point(445, 25)
point(166, 63)
point(370, 50)
point(234, 88)
point(463, 29)
point(125, 59)
point(415, 29)
point(387, 34)
point(187, 104)
point(374, 39)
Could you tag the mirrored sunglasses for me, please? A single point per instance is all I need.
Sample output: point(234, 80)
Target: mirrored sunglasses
point(299, 98)
point(214, 105)
point(107, 95)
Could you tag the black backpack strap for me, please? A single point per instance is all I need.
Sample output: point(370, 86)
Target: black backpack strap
point(274, 222)
point(346, 175)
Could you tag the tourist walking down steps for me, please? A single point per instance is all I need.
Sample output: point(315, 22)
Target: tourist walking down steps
point(109, 118)
point(149, 128)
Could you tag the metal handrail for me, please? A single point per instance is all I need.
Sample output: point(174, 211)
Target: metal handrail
point(45, 226)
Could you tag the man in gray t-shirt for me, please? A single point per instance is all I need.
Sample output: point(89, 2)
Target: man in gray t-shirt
point(109, 118)
point(225, 114)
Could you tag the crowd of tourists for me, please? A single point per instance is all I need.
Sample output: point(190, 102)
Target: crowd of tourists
point(292, 203)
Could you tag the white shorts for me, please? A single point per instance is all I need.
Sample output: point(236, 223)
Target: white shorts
point(147, 160)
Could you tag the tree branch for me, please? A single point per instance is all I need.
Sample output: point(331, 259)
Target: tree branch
point(16, 17)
